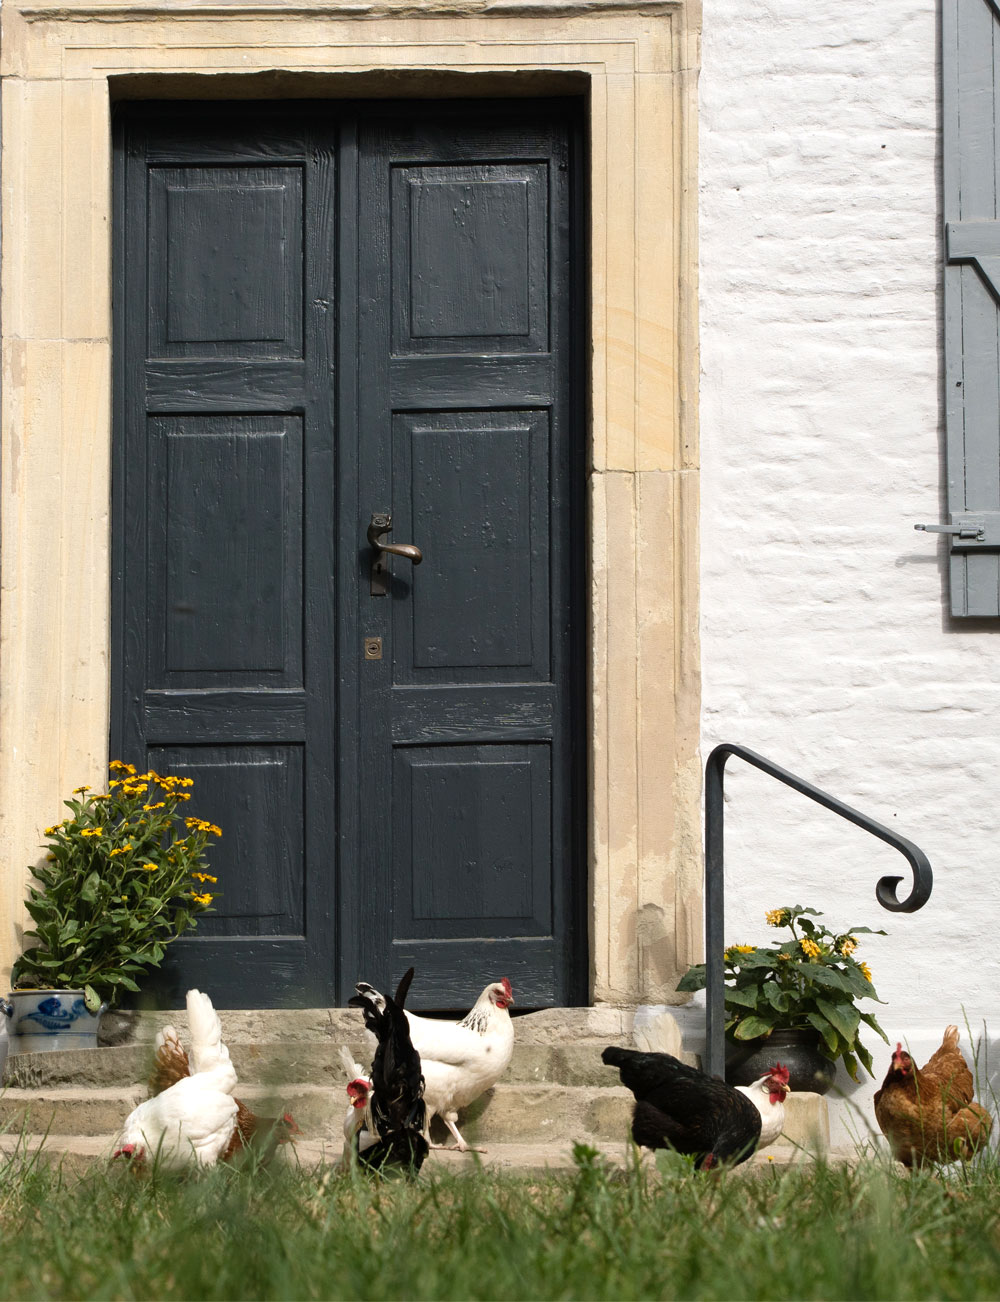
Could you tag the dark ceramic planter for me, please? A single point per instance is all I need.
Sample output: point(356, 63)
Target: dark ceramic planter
point(798, 1050)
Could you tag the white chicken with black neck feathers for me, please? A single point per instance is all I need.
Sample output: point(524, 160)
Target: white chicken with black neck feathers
point(462, 1060)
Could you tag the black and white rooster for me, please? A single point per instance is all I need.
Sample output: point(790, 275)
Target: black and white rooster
point(396, 1099)
point(679, 1107)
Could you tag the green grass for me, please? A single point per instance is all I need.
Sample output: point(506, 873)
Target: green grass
point(816, 1232)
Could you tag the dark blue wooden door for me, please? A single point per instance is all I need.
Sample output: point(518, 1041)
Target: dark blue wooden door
point(323, 313)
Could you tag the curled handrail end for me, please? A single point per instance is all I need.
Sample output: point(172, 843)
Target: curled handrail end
point(885, 893)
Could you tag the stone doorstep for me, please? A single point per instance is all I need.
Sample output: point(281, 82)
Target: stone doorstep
point(556, 1089)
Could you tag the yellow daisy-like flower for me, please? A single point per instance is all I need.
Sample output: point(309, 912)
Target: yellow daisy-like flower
point(866, 971)
point(847, 945)
point(204, 877)
point(777, 917)
point(202, 899)
point(78, 791)
point(122, 849)
point(150, 867)
point(810, 948)
point(786, 958)
point(50, 831)
point(118, 766)
point(149, 808)
point(182, 795)
point(91, 831)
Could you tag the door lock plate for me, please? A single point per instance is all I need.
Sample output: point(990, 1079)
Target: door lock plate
point(373, 648)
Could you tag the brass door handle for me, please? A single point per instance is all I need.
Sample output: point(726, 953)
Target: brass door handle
point(381, 524)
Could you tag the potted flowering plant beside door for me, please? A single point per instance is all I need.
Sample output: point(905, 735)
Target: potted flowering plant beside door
point(796, 997)
point(123, 876)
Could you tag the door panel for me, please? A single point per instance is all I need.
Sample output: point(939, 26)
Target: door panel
point(323, 311)
point(466, 418)
point(223, 502)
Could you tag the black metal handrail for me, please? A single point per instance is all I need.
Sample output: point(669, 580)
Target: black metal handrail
point(885, 890)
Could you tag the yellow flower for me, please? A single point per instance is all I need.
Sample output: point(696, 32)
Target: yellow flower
point(202, 899)
point(49, 831)
point(866, 971)
point(182, 795)
point(810, 948)
point(787, 958)
point(204, 877)
point(847, 945)
point(78, 791)
point(150, 867)
point(159, 805)
point(122, 849)
point(91, 831)
point(777, 917)
point(118, 766)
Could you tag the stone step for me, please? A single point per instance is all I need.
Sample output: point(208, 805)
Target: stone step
point(310, 1062)
point(507, 1113)
point(285, 1025)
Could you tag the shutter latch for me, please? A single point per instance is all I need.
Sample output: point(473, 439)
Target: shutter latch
point(982, 530)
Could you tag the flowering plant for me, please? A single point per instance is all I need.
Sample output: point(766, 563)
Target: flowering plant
point(123, 876)
point(811, 980)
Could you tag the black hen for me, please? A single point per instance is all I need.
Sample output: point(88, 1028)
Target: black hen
point(680, 1107)
point(397, 1095)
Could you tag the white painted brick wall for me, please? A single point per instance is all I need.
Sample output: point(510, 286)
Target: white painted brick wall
point(826, 640)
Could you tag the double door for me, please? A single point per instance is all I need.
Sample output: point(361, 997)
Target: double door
point(342, 329)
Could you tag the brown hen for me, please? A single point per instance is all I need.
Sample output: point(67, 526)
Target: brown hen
point(259, 1135)
point(927, 1113)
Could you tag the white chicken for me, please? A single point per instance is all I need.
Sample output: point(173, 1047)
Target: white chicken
point(359, 1133)
point(194, 1120)
point(461, 1060)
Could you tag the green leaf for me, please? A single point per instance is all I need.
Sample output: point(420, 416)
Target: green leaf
point(92, 999)
point(88, 891)
point(865, 1057)
point(831, 977)
point(693, 978)
point(742, 998)
point(828, 1032)
point(749, 1028)
point(844, 1017)
point(869, 1020)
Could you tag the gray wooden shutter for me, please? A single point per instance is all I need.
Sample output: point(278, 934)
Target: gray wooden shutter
point(971, 149)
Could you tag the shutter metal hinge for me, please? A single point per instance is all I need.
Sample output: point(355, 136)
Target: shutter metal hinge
point(972, 531)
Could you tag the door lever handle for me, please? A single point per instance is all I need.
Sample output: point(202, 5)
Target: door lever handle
point(381, 524)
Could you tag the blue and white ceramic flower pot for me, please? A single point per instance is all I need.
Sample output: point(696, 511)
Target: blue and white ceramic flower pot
point(46, 1020)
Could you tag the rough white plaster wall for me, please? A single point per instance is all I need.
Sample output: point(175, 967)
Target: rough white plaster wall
point(826, 640)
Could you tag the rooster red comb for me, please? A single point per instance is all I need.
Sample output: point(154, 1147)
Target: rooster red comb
point(780, 1073)
point(508, 991)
